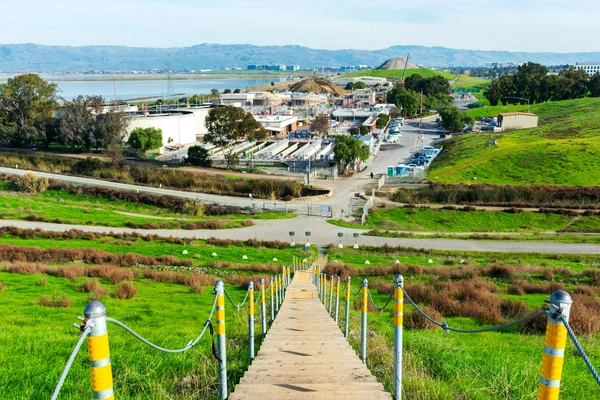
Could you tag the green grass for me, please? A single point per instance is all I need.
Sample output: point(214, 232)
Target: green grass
point(83, 209)
point(198, 250)
point(563, 150)
point(357, 258)
point(469, 82)
point(589, 223)
point(438, 220)
point(397, 73)
point(36, 341)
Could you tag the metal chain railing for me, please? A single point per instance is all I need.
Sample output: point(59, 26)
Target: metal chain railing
point(447, 328)
point(188, 346)
point(586, 360)
point(85, 332)
point(237, 306)
point(376, 306)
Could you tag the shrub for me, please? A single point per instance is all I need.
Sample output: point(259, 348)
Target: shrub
point(339, 269)
point(92, 286)
point(585, 315)
point(42, 282)
point(29, 183)
point(414, 319)
point(62, 302)
point(125, 290)
point(501, 271)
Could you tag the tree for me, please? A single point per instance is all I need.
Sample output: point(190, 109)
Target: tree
point(413, 82)
point(77, 123)
point(226, 91)
point(360, 85)
point(236, 91)
point(228, 124)
point(145, 139)
point(348, 149)
point(198, 156)
point(349, 86)
point(454, 120)
point(594, 85)
point(407, 100)
point(382, 121)
point(214, 92)
point(26, 105)
point(320, 124)
point(112, 129)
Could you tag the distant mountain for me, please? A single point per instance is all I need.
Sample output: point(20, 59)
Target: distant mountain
point(33, 57)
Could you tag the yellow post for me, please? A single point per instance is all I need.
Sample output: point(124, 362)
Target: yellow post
point(554, 346)
point(221, 339)
point(99, 352)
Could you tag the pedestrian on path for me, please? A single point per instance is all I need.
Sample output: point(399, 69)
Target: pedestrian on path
point(371, 175)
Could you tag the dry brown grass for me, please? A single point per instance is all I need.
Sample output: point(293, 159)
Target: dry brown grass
point(62, 302)
point(414, 319)
point(93, 286)
point(521, 287)
point(2, 286)
point(125, 290)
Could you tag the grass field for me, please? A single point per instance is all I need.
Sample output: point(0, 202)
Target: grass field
point(439, 220)
point(563, 150)
point(469, 82)
point(167, 314)
point(397, 74)
point(81, 209)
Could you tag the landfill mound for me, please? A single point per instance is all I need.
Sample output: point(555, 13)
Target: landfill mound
point(397, 63)
point(319, 86)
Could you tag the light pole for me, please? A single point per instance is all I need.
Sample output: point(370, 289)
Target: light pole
point(519, 98)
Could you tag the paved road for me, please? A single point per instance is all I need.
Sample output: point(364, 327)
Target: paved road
point(324, 234)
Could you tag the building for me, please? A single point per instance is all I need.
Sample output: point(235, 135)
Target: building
point(368, 80)
point(276, 67)
point(200, 112)
point(363, 98)
point(178, 127)
point(238, 99)
point(278, 125)
point(348, 114)
point(311, 99)
point(591, 68)
point(517, 120)
point(270, 99)
point(292, 68)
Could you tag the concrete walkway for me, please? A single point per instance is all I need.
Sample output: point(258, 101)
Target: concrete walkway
point(305, 355)
point(324, 234)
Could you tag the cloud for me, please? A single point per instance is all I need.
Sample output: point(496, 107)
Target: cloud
point(534, 25)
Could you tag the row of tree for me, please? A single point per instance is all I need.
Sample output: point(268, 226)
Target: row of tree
point(532, 82)
point(418, 92)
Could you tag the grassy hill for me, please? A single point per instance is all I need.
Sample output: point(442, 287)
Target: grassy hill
point(469, 82)
point(397, 73)
point(563, 150)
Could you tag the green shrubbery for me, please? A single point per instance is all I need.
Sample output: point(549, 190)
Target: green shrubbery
point(136, 174)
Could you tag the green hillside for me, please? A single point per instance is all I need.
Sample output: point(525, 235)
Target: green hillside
point(469, 82)
point(563, 150)
point(397, 73)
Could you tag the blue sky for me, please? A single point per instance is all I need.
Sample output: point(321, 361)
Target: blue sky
point(525, 25)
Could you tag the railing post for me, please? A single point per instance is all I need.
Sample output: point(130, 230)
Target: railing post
point(337, 298)
point(398, 321)
point(323, 288)
point(221, 341)
point(281, 289)
point(263, 308)
point(554, 346)
point(347, 316)
point(276, 294)
point(99, 351)
point(250, 321)
point(330, 308)
point(363, 321)
point(271, 292)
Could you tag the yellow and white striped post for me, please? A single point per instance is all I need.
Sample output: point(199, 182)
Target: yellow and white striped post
point(554, 346)
point(337, 298)
point(272, 294)
point(99, 352)
point(398, 322)
point(330, 307)
point(251, 321)
point(221, 339)
point(263, 308)
point(363, 321)
point(347, 315)
point(276, 283)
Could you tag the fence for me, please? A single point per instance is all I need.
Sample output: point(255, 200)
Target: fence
point(557, 328)
point(367, 207)
point(94, 330)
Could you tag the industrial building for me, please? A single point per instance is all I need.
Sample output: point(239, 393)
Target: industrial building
point(278, 125)
point(517, 120)
point(590, 68)
point(368, 80)
point(178, 127)
point(200, 113)
point(238, 99)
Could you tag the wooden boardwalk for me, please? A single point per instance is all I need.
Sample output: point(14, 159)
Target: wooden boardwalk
point(305, 355)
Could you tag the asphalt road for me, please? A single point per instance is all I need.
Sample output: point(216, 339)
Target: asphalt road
point(323, 234)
